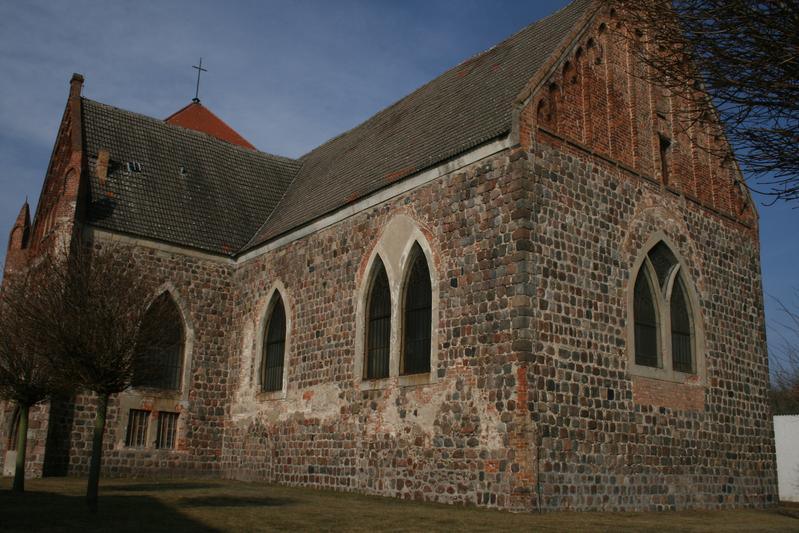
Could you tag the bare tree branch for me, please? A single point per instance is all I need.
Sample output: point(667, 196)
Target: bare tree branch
point(732, 59)
point(83, 321)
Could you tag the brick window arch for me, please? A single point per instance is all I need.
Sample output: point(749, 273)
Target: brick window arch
point(417, 315)
point(665, 327)
point(274, 347)
point(378, 327)
point(158, 361)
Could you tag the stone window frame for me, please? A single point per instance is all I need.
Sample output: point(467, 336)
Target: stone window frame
point(394, 248)
point(265, 316)
point(157, 400)
point(665, 370)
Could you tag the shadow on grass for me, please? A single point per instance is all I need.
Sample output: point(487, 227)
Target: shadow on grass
point(53, 512)
point(156, 487)
point(230, 501)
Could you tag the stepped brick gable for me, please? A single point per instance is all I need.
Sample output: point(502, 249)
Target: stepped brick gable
point(522, 286)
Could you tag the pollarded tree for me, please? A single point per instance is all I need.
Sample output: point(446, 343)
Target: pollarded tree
point(89, 310)
point(26, 377)
point(736, 60)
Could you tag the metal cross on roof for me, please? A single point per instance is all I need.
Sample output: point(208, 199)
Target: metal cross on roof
point(200, 70)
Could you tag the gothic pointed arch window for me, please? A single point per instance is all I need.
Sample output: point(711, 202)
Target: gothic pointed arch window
point(663, 316)
point(274, 347)
point(681, 331)
point(378, 327)
point(158, 361)
point(646, 322)
point(417, 315)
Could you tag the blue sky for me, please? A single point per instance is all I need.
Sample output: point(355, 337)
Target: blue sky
point(287, 75)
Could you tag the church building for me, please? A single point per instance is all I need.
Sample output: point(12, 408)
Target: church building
point(523, 286)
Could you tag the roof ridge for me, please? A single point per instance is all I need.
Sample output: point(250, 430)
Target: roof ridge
point(434, 79)
point(194, 132)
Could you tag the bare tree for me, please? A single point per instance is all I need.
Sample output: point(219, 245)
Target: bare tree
point(26, 377)
point(785, 363)
point(736, 60)
point(89, 311)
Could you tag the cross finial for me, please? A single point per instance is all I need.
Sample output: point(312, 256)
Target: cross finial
point(200, 70)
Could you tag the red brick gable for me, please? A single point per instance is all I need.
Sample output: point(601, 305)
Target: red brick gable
point(595, 100)
point(197, 117)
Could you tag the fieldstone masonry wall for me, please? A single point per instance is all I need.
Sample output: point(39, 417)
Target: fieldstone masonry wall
point(532, 400)
point(460, 436)
point(203, 290)
point(611, 440)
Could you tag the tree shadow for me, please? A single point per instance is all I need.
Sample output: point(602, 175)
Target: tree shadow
point(51, 512)
point(158, 487)
point(228, 501)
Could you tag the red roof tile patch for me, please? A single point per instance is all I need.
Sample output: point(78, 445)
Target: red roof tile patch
point(196, 117)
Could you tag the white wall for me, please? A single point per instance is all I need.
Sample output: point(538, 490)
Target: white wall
point(786, 436)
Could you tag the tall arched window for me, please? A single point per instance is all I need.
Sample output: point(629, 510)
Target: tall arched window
point(417, 315)
point(378, 329)
point(663, 319)
point(159, 355)
point(274, 347)
point(681, 349)
point(646, 322)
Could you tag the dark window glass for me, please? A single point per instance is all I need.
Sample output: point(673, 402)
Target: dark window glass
point(274, 348)
point(167, 429)
point(137, 428)
point(378, 330)
point(159, 356)
point(663, 260)
point(646, 351)
point(680, 330)
point(418, 315)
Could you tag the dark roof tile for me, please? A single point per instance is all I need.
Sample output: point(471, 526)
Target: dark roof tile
point(222, 198)
point(233, 199)
point(461, 109)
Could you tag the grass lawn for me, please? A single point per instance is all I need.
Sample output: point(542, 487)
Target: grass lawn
point(56, 504)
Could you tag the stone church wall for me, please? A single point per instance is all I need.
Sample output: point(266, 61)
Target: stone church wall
point(532, 399)
point(614, 440)
point(611, 436)
point(459, 435)
point(203, 291)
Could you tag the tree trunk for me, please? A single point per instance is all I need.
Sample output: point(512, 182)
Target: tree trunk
point(97, 453)
point(22, 445)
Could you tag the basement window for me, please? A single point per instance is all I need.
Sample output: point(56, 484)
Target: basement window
point(137, 428)
point(167, 429)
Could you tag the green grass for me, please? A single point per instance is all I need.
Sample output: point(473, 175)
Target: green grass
point(56, 504)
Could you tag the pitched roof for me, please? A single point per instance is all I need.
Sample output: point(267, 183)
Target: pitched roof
point(233, 199)
point(461, 109)
point(223, 195)
point(197, 117)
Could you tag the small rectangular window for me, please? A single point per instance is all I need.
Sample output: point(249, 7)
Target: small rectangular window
point(137, 428)
point(167, 429)
point(134, 166)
